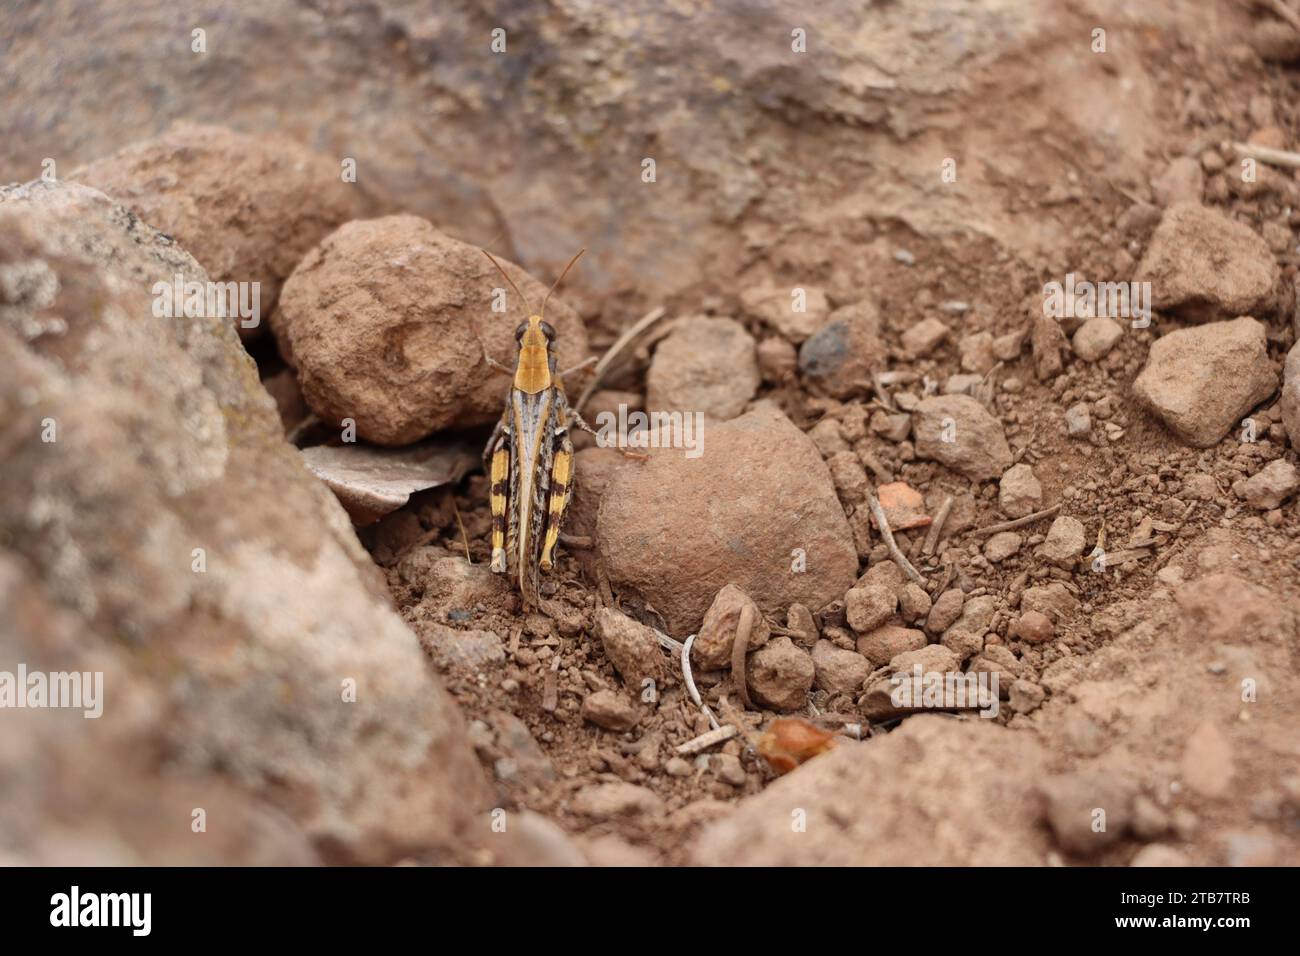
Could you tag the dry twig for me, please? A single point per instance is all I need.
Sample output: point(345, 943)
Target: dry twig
point(616, 350)
point(690, 680)
point(1017, 523)
point(1283, 11)
point(739, 648)
point(729, 711)
point(936, 526)
point(460, 524)
point(551, 686)
point(1274, 157)
point(900, 559)
point(706, 740)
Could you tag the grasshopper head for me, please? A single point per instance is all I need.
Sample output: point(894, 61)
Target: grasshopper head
point(533, 373)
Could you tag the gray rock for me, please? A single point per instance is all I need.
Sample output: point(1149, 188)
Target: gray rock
point(838, 671)
point(1291, 395)
point(1087, 812)
point(1065, 541)
point(780, 675)
point(1078, 421)
point(1002, 545)
point(264, 662)
point(1201, 381)
point(705, 365)
point(959, 432)
point(1270, 486)
point(841, 356)
point(1019, 492)
point(610, 709)
point(1205, 265)
point(965, 637)
point(1096, 337)
point(924, 337)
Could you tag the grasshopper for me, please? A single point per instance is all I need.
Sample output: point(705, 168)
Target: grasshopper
point(529, 458)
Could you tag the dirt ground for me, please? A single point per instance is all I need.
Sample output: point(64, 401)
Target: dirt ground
point(1149, 666)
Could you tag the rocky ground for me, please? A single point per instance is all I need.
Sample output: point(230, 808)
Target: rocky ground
point(1099, 510)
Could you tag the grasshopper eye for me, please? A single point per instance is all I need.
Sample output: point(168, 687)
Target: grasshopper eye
point(519, 332)
point(548, 331)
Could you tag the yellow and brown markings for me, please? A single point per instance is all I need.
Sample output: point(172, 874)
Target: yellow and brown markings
point(561, 492)
point(499, 473)
point(529, 458)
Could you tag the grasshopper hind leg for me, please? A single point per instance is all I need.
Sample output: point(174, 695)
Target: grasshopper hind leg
point(561, 493)
point(497, 455)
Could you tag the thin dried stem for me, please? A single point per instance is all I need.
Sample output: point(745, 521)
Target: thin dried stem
point(900, 559)
point(615, 351)
point(1265, 154)
point(936, 526)
point(1017, 523)
point(738, 651)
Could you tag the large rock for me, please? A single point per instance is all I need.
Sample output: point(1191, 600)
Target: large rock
point(439, 124)
point(1204, 265)
point(246, 207)
point(919, 796)
point(1201, 381)
point(1291, 395)
point(84, 792)
point(959, 432)
point(593, 467)
point(757, 509)
point(706, 365)
point(198, 557)
point(388, 322)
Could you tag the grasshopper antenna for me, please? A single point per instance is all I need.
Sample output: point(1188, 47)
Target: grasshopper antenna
point(560, 279)
point(523, 297)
